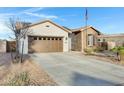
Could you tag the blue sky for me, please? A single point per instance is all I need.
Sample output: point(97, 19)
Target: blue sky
point(106, 20)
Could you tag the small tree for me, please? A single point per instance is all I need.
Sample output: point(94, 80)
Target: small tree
point(20, 30)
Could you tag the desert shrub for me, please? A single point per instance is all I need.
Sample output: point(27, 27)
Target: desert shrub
point(21, 79)
point(98, 49)
point(88, 51)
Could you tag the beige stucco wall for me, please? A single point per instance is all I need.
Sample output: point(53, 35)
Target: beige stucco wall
point(79, 41)
point(84, 40)
point(52, 30)
point(76, 41)
point(2, 46)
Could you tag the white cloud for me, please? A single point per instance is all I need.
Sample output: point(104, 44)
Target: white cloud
point(5, 32)
point(33, 10)
point(7, 14)
point(42, 15)
point(2, 24)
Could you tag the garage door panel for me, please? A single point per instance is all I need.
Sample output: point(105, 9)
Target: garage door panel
point(46, 44)
point(36, 46)
point(51, 48)
point(60, 45)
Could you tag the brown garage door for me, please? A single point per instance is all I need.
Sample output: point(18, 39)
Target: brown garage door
point(45, 44)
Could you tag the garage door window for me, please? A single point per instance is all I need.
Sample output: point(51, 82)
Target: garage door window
point(44, 38)
point(39, 38)
point(48, 39)
point(56, 38)
point(52, 38)
point(35, 38)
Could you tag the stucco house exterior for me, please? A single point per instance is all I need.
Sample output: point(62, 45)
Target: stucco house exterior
point(46, 36)
point(84, 38)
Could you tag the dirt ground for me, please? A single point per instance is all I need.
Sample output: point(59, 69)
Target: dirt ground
point(14, 74)
point(5, 59)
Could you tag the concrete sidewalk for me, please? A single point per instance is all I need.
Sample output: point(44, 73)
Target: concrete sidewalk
point(73, 68)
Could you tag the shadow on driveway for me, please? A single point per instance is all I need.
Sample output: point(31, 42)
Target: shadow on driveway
point(85, 80)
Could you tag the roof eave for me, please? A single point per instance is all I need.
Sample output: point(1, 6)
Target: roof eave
point(52, 23)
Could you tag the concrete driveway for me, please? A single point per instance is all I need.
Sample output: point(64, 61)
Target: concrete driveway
point(73, 68)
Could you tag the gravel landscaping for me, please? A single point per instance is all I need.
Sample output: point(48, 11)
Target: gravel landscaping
point(24, 74)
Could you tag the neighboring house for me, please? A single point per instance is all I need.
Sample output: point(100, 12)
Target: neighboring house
point(84, 38)
point(7, 46)
point(112, 40)
point(46, 36)
point(3, 45)
point(11, 46)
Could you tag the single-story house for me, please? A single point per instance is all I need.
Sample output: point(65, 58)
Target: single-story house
point(84, 38)
point(7, 46)
point(46, 36)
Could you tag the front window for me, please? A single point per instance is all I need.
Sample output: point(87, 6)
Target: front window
point(35, 38)
point(90, 40)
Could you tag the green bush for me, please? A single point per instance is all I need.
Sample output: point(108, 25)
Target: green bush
point(118, 49)
point(122, 52)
